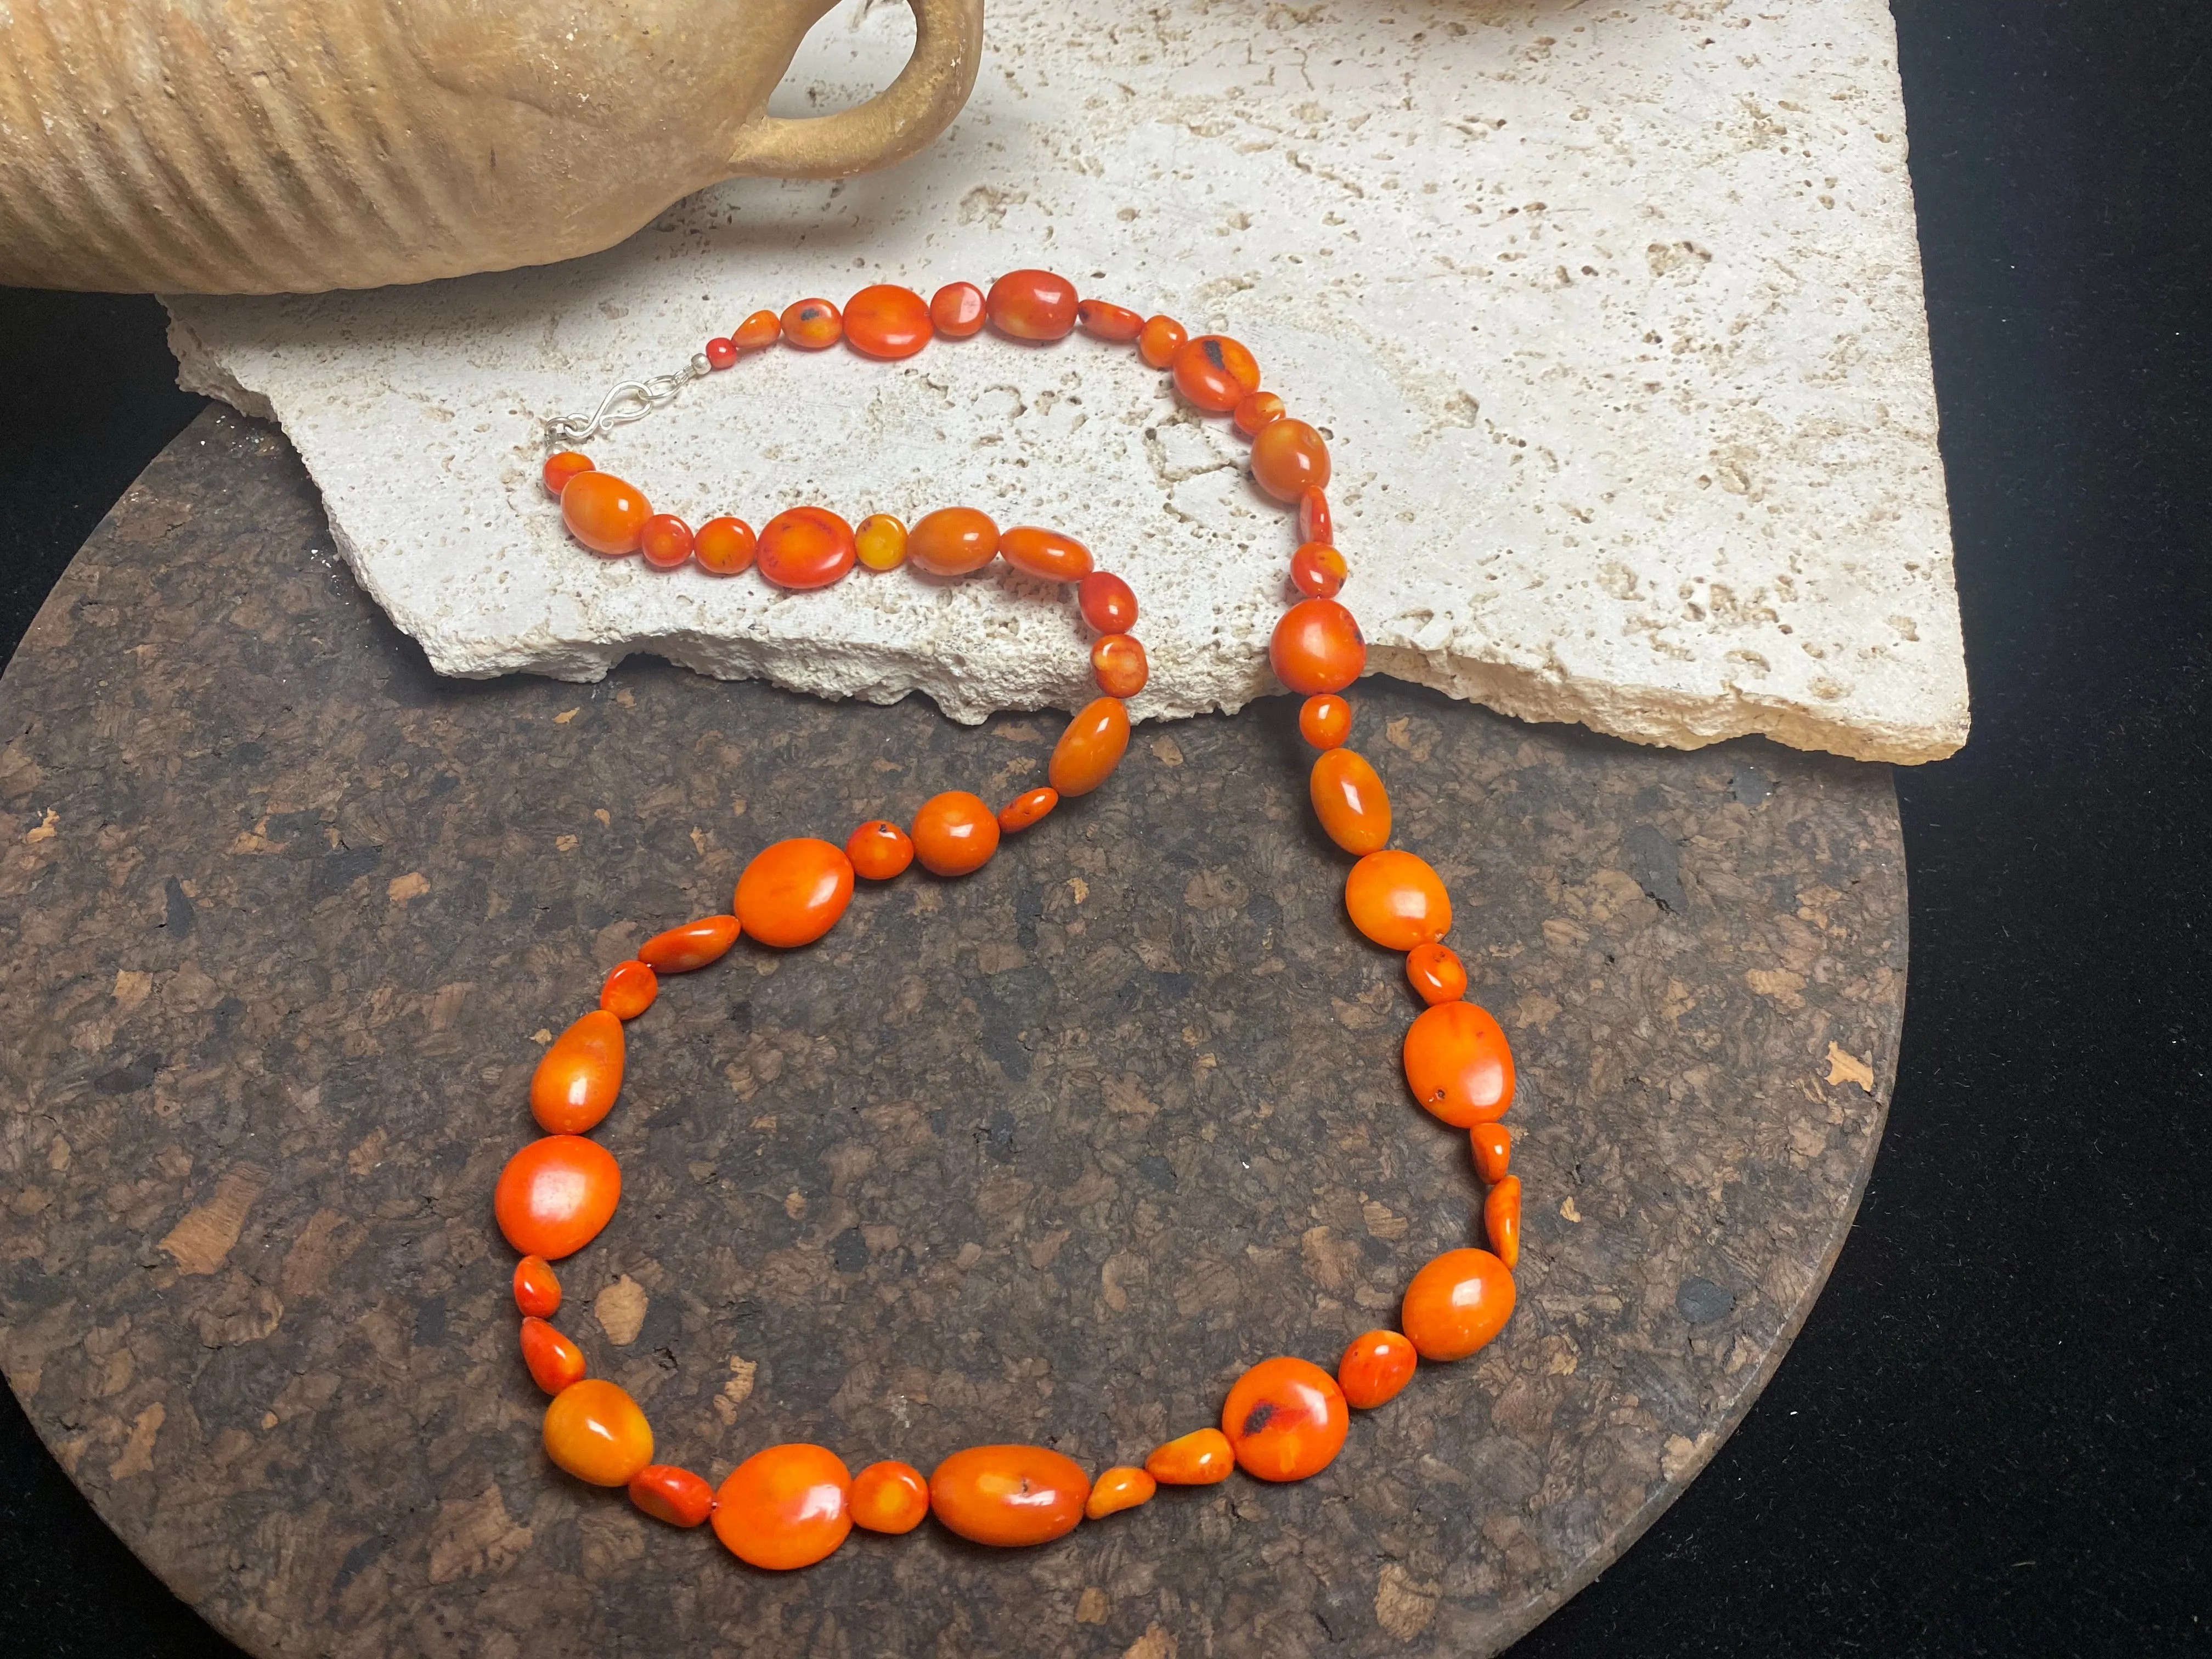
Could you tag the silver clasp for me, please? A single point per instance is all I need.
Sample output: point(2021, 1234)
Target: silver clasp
point(632, 400)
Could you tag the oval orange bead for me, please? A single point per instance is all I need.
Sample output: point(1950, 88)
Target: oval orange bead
point(805, 547)
point(880, 541)
point(1032, 305)
point(812, 325)
point(762, 328)
point(955, 833)
point(890, 1497)
point(1501, 1220)
point(1045, 553)
point(555, 1362)
point(1197, 1459)
point(1108, 603)
point(604, 514)
point(1119, 665)
point(795, 891)
point(1109, 322)
point(1397, 900)
point(1315, 522)
point(888, 321)
point(1009, 1496)
point(1457, 1303)
point(537, 1288)
point(953, 541)
point(1030, 807)
point(1090, 748)
point(1215, 372)
point(1317, 646)
point(879, 849)
point(724, 546)
point(665, 541)
point(556, 1194)
point(1459, 1065)
point(694, 946)
point(1493, 1150)
point(575, 1084)
point(631, 988)
point(1119, 1488)
point(597, 1433)
point(1375, 1368)
point(1325, 721)
point(1255, 410)
point(1288, 458)
point(1159, 340)
point(957, 310)
point(787, 1507)
point(1435, 973)
point(676, 1496)
point(1286, 1420)
point(1350, 801)
point(1318, 570)
point(559, 469)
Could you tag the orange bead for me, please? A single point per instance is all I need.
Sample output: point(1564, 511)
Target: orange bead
point(953, 541)
point(888, 321)
point(1045, 553)
point(762, 328)
point(1215, 372)
point(1350, 801)
point(1027, 808)
point(1436, 972)
point(1118, 663)
point(1397, 901)
point(1197, 1459)
point(879, 849)
point(724, 546)
point(794, 892)
point(958, 310)
point(1255, 410)
point(890, 1497)
point(1493, 1150)
point(1009, 1496)
point(807, 547)
point(676, 1496)
point(1090, 748)
point(1457, 1303)
point(1032, 305)
point(1288, 458)
point(575, 1084)
point(604, 514)
point(1318, 570)
point(880, 541)
point(1325, 721)
point(1314, 522)
point(1286, 1420)
point(694, 946)
point(665, 541)
point(556, 1194)
point(1119, 1488)
point(1159, 340)
point(559, 469)
point(1108, 603)
point(812, 325)
point(787, 1507)
point(555, 1362)
point(1108, 322)
point(631, 988)
point(1317, 646)
point(1501, 1220)
point(1459, 1065)
point(1375, 1368)
point(537, 1289)
point(955, 833)
point(596, 1432)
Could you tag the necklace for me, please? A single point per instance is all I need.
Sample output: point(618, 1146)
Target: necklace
point(1286, 1418)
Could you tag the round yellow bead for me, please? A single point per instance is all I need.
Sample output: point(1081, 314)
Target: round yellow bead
point(881, 541)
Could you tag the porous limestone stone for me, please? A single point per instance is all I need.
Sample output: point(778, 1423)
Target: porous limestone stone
point(1612, 314)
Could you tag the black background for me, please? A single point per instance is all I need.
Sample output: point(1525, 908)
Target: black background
point(1992, 1436)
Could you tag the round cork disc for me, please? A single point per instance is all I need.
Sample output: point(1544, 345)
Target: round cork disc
point(1046, 1154)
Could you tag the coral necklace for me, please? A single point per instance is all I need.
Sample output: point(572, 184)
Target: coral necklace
point(790, 1505)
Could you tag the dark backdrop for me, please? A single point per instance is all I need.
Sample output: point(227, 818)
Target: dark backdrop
point(1992, 1435)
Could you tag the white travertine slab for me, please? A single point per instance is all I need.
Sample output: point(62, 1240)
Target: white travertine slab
point(1612, 313)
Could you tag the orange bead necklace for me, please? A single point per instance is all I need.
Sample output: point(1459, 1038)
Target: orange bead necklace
point(1286, 1418)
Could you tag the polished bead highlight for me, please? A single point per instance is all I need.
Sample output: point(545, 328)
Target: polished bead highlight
point(1317, 646)
point(888, 321)
point(890, 1497)
point(1459, 1065)
point(1458, 1303)
point(787, 1507)
point(1436, 972)
point(1090, 748)
point(555, 1195)
point(1009, 1496)
point(953, 541)
point(955, 833)
point(605, 513)
point(578, 1079)
point(1375, 1368)
point(1398, 901)
point(630, 988)
point(794, 892)
point(812, 325)
point(1197, 1459)
point(805, 547)
point(1032, 305)
point(691, 947)
point(596, 1432)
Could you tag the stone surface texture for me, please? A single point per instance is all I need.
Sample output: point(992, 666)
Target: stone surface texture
point(1612, 313)
point(1049, 1152)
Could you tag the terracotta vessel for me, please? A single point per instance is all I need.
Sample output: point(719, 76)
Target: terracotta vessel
point(262, 146)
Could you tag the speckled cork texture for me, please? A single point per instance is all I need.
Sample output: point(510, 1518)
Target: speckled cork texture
point(1047, 1153)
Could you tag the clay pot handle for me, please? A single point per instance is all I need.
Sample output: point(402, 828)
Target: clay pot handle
point(894, 124)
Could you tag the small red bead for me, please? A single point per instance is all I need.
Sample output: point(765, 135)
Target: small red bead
point(629, 990)
point(1027, 808)
point(1159, 340)
point(1108, 603)
point(1314, 522)
point(721, 352)
point(958, 310)
point(1255, 410)
point(559, 469)
point(536, 1292)
point(1109, 322)
point(665, 541)
point(1318, 570)
point(676, 1496)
